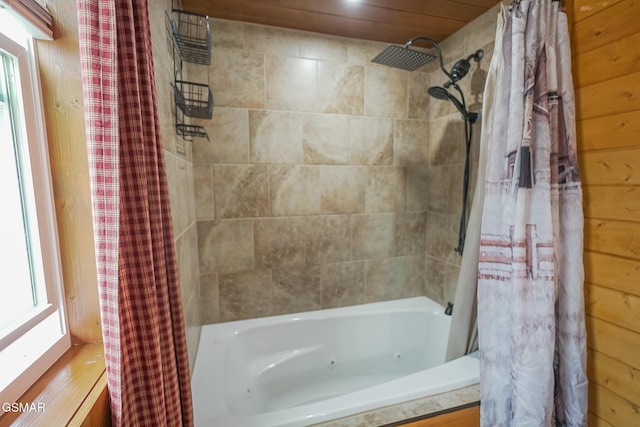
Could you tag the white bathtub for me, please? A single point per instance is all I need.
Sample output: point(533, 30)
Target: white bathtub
point(301, 369)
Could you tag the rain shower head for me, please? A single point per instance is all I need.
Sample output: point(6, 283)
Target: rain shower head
point(403, 57)
point(409, 59)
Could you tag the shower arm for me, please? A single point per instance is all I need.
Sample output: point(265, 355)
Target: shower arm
point(436, 46)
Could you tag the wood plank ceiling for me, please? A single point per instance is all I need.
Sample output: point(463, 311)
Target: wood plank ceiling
point(393, 21)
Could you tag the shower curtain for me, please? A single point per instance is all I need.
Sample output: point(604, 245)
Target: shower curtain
point(140, 305)
point(530, 273)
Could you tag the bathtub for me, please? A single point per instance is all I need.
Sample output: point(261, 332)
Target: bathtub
point(301, 369)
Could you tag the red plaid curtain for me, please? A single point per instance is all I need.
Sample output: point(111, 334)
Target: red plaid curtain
point(141, 309)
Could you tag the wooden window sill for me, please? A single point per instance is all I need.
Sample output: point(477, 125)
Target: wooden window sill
point(73, 392)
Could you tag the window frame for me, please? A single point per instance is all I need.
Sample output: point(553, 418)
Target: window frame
point(34, 143)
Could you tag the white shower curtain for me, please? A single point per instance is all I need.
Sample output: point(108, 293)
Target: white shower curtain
point(530, 274)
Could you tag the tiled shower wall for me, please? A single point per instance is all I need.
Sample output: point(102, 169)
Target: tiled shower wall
point(179, 163)
point(310, 194)
point(328, 180)
point(444, 176)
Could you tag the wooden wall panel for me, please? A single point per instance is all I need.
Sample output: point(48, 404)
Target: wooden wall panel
point(613, 306)
point(614, 22)
point(619, 95)
point(605, 42)
point(609, 61)
point(612, 237)
point(608, 372)
point(614, 341)
point(612, 408)
point(580, 10)
point(608, 202)
point(609, 132)
point(610, 167)
point(612, 271)
point(61, 80)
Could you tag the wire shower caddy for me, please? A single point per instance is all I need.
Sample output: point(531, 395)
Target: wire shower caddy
point(191, 34)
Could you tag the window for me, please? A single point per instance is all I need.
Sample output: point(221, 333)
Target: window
point(33, 332)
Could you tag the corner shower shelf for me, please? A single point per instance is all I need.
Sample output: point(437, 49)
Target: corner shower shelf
point(192, 34)
point(192, 37)
point(189, 131)
point(194, 99)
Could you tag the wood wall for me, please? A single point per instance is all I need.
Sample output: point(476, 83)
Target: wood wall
point(606, 57)
point(61, 81)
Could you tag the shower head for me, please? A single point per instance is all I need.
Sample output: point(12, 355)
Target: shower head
point(441, 93)
point(403, 57)
point(409, 59)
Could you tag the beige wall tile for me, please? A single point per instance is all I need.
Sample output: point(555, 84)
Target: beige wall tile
point(386, 190)
point(326, 139)
point(236, 78)
point(361, 52)
point(386, 279)
point(411, 143)
point(410, 233)
point(342, 189)
point(385, 92)
point(439, 188)
point(418, 189)
point(228, 131)
point(245, 295)
point(435, 278)
point(416, 276)
point(192, 329)
point(280, 242)
point(187, 259)
point(340, 88)
point(341, 139)
point(446, 140)
point(209, 299)
point(227, 34)
point(419, 100)
point(481, 30)
point(342, 284)
point(180, 177)
point(294, 190)
point(373, 236)
point(296, 290)
point(315, 46)
point(225, 246)
point(291, 84)
point(171, 166)
point(327, 239)
point(241, 191)
point(275, 137)
point(456, 178)
point(440, 276)
point(442, 236)
point(370, 141)
point(271, 40)
point(203, 183)
point(453, 49)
